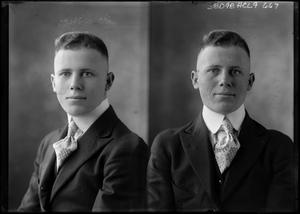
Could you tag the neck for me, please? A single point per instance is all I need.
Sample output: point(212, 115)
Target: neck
point(86, 120)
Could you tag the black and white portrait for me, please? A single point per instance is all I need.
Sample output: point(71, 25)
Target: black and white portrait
point(153, 49)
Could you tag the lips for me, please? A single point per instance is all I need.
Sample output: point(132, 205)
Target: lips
point(225, 94)
point(76, 98)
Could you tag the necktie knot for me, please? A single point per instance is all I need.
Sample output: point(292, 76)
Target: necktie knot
point(64, 147)
point(227, 126)
point(72, 128)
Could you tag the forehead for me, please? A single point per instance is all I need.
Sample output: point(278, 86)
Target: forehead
point(223, 56)
point(79, 58)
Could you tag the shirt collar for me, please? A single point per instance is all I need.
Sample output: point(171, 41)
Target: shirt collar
point(85, 121)
point(213, 120)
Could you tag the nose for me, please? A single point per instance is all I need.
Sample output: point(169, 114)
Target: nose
point(225, 80)
point(76, 83)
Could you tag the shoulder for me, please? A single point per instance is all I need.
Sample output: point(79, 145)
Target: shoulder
point(280, 151)
point(126, 141)
point(49, 139)
point(274, 136)
point(53, 135)
point(279, 142)
point(276, 140)
point(278, 136)
point(169, 138)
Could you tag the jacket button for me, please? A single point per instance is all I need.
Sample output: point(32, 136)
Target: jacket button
point(42, 188)
point(220, 181)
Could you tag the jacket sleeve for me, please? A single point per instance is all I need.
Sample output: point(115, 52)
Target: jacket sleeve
point(30, 201)
point(160, 192)
point(124, 177)
point(283, 186)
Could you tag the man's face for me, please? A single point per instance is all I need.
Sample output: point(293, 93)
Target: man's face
point(223, 77)
point(79, 80)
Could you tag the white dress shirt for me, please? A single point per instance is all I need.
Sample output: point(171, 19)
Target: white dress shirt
point(213, 120)
point(85, 121)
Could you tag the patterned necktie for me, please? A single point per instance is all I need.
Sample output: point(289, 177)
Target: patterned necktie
point(226, 145)
point(64, 147)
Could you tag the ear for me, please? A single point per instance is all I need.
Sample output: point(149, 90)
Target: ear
point(109, 80)
point(250, 81)
point(194, 77)
point(53, 82)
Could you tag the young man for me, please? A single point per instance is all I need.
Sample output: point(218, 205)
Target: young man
point(95, 163)
point(223, 160)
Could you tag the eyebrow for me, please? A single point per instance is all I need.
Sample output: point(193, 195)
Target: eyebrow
point(64, 70)
point(81, 69)
point(236, 67)
point(86, 69)
point(219, 66)
point(213, 66)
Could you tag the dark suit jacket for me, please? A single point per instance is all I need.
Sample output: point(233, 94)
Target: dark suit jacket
point(107, 171)
point(261, 176)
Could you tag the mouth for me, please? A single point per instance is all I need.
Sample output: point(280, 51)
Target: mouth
point(225, 94)
point(76, 98)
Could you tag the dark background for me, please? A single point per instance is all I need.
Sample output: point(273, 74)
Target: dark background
point(153, 48)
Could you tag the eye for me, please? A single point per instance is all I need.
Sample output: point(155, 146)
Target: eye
point(65, 74)
point(213, 70)
point(236, 71)
point(87, 74)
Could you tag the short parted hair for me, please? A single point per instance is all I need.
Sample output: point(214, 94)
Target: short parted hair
point(224, 38)
point(77, 40)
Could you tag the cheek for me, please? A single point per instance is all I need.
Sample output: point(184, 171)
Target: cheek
point(95, 89)
point(60, 87)
point(242, 85)
point(206, 86)
point(205, 93)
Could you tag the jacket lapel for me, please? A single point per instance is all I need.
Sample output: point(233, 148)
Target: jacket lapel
point(196, 144)
point(252, 140)
point(47, 175)
point(97, 136)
